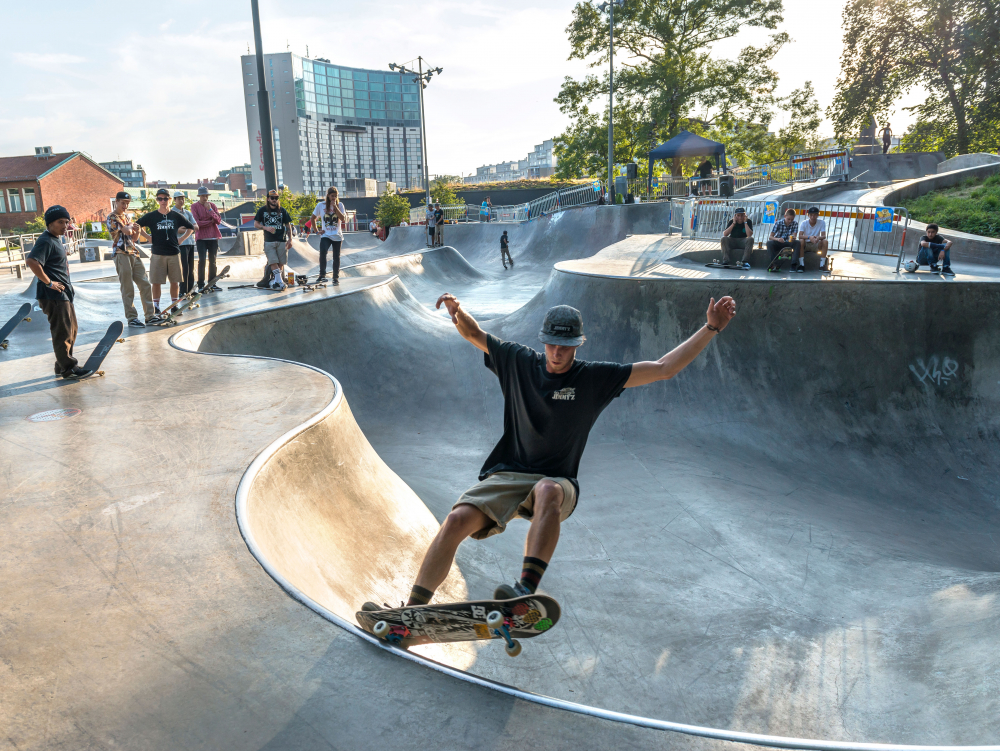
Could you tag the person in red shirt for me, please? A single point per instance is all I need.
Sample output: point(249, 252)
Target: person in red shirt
point(207, 217)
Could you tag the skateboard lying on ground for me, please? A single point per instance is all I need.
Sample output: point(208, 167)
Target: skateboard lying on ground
point(103, 347)
point(521, 617)
point(189, 300)
point(303, 281)
point(720, 265)
point(20, 315)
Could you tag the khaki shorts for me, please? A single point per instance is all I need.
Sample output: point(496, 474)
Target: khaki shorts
point(276, 252)
point(811, 244)
point(511, 495)
point(162, 268)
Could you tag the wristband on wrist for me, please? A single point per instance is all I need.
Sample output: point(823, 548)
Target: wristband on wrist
point(710, 327)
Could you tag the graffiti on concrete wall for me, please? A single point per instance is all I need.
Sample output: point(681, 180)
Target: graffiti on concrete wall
point(937, 370)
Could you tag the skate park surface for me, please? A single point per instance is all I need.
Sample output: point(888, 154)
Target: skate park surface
point(794, 537)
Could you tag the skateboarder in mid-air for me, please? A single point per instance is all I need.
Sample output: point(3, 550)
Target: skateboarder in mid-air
point(551, 401)
point(505, 250)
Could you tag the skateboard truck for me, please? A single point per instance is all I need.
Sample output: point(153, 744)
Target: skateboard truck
point(392, 634)
point(501, 627)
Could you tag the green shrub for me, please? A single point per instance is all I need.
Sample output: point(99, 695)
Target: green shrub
point(976, 211)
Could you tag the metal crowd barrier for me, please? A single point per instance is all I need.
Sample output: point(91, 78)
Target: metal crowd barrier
point(850, 228)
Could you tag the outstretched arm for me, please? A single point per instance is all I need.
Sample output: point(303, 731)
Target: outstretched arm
point(465, 323)
point(719, 315)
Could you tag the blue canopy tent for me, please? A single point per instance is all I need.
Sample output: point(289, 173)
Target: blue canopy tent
point(688, 144)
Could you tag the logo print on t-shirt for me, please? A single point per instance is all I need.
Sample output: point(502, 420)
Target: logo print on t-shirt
point(567, 394)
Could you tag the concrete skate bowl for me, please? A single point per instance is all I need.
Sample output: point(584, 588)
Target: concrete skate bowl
point(793, 539)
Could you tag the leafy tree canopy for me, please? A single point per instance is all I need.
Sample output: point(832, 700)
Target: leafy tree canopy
point(950, 47)
point(392, 209)
point(666, 80)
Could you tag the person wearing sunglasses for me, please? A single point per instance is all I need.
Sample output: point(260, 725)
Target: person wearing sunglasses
point(162, 227)
point(277, 226)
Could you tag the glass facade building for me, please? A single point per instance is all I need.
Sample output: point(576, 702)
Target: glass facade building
point(334, 123)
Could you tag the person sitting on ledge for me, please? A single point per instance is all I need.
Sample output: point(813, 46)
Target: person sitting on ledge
point(935, 247)
point(812, 236)
point(738, 232)
point(783, 235)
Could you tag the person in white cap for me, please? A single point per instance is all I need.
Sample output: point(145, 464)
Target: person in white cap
point(551, 402)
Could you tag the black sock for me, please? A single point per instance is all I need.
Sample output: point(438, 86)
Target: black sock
point(531, 572)
point(419, 596)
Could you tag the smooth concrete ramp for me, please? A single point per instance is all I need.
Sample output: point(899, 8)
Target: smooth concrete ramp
point(796, 536)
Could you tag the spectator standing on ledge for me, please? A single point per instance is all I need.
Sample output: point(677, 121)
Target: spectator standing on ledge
point(187, 245)
point(429, 218)
point(738, 232)
point(164, 261)
point(705, 173)
point(935, 247)
point(327, 218)
point(277, 226)
point(438, 223)
point(886, 138)
point(54, 291)
point(206, 237)
point(128, 264)
point(505, 251)
point(783, 235)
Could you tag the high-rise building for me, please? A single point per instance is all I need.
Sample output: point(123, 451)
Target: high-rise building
point(133, 177)
point(334, 123)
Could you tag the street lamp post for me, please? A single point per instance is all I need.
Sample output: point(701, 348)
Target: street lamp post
point(610, 7)
point(263, 108)
point(422, 79)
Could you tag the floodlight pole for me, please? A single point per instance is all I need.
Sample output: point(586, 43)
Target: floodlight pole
point(610, 7)
point(422, 79)
point(263, 107)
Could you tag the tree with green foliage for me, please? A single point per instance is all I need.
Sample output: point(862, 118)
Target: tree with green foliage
point(392, 209)
point(667, 80)
point(442, 192)
point(949, 47)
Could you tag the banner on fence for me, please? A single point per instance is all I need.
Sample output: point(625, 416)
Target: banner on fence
point(770, 214)
point(883, 219)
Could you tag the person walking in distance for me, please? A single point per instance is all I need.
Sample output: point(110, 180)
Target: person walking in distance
point(277, 226)
point(505, 251)
point(886, 138)
point(165, 262)
point(328, 215)
point(54, 291)
point(187, 245)
point(551, 402)
point(207, 237)
point(131, 273)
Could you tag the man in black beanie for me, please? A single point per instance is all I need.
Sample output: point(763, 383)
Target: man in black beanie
point(54, 291)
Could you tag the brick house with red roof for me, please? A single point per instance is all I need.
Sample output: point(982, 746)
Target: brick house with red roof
point(30, 184)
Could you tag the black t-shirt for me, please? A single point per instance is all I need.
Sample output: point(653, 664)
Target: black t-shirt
point(438, 216)
point(547, 418)
point(49, 251)
point(503, 241)
point(705, 169)
point(739, 230)
point(938, 240)
point(163, 230)
point(273, 218)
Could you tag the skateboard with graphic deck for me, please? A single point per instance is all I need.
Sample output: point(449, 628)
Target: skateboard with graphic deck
point(189, 300)
point(520, 618)
point(20, 315)
point(104, 346)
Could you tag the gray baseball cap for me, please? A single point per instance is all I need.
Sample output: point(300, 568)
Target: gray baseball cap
point(562, 326)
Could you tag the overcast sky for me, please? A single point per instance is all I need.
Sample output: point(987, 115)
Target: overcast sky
point(160, 83)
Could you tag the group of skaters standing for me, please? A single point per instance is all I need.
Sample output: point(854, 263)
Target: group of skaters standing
point(174, 233)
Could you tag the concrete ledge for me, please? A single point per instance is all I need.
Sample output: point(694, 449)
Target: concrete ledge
point(964, 161)
point(901, 166)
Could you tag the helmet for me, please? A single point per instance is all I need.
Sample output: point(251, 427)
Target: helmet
point(911, 266)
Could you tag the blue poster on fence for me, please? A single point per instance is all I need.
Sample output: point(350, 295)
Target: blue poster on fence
point(883, 219)
point(597, 186)
point(770, 212)
point(655, 182)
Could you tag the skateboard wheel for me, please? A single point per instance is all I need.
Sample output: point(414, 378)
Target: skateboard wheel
point(494, 619)
point(514, 648)
point(381, 629)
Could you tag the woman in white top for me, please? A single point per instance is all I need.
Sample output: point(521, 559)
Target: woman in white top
point(329, 215)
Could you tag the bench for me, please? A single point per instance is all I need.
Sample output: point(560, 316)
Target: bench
point(12, 258)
